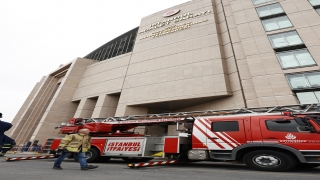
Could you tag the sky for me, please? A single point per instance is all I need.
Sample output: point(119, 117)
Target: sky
point(37, 36)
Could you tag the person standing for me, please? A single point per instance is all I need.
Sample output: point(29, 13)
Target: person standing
point(6, 143)
point(76, 143)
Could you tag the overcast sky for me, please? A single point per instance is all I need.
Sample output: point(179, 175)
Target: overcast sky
point(36, 36)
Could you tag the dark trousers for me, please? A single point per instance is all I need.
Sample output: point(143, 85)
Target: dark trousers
point(6, 143)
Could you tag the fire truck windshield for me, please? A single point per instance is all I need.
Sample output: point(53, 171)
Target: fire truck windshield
point(316, 118)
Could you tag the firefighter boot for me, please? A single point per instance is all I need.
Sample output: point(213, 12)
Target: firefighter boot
point(92, 167)
point(88, 167)
point(57, 167)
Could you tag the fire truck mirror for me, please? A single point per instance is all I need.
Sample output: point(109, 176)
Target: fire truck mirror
point(188, 125)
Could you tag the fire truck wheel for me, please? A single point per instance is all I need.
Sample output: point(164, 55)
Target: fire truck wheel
point(92, 155)
point(268, 160)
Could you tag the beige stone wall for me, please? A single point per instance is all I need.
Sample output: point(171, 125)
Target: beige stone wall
point(263, 80)
point(223, 60)
point(102, 82)
point(61, 108)
point(190, 63)
point(105, 77)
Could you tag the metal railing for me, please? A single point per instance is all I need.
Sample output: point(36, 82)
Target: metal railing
point(21, 149)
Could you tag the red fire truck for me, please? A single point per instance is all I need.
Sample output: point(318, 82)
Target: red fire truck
point(270, 138)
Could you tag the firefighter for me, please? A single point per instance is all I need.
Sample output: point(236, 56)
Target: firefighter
point(6, 143)
point(75, 143)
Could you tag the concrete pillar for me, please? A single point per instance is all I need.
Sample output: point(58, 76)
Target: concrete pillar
point(106, 106)
point(86, 107)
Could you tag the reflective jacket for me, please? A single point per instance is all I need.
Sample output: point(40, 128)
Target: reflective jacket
point(76, 142)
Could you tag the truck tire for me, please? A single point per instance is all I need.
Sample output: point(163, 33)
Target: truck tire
point(268, 160)
point(92, 155)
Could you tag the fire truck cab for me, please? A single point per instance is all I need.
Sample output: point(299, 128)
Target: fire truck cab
point(272, 139)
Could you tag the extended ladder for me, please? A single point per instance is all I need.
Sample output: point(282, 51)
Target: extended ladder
point(297, 109)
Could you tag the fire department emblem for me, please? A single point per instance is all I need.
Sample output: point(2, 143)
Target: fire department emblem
point(290, 136)
point(171, 13)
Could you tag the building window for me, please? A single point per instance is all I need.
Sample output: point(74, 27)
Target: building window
point(296, 58)
point(282, 125)
point(314, 2)
point(304, 80)
point(285, 39)
point(309, 97)
point(276, 23)
point(269, 10)
point(225, 126)
point(256, 2)
point(318, 10)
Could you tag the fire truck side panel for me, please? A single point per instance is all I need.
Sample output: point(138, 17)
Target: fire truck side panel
point(247, 129)
point(171, 145)
point(255, 130)
point(55, 143)
point(197, 143)
point(286, 132)
point(224, 133)
point(199, 139)
point(98, 143)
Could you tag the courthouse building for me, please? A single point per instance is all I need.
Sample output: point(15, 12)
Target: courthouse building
point(199, 55)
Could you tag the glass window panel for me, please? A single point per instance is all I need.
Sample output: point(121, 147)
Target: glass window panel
point(225, 126)
point(276, 8)
point(314, 2)
point(283, 126)
point(283, 22)
point(304, 58)
point(278, 41)
point(287, 60)
point(269, 10)
point(270, 24)
point(293, 38)
point(318, 10)
point(264, 11)
point(313, 78)
point(297, 81)
point(307, 98)
point(317, 93)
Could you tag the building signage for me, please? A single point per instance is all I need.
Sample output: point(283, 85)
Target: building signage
point(173, 29)
point(171, 13)
point(124, 146)
point(175, 19)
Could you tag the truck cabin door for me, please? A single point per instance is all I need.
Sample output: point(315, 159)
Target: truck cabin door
point(289, 131)
point(221, 134)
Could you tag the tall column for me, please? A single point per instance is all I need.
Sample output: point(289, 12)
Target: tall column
point(86, 107)
point(106, 106)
